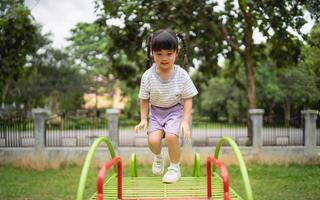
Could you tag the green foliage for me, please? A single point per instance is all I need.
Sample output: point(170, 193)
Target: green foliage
point(131, 112)
point(292, 86)
point(209, 32)
point(88, 43)
point(273, 19)
point(286, 69)
point(87, 48)
point(313, 7)
point(298, 86)
point(311, 51)
point(19, 37)
point(268, 86)
point(222, 98)
point(141, 18)
point(49, 81)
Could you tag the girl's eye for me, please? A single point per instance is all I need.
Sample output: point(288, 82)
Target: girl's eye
point(168, 54)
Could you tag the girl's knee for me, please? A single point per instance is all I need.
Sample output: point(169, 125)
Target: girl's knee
point(154, 139)
point(170, 137)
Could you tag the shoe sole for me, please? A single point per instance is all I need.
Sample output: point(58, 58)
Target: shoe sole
point(170, 182)
point(157, 174)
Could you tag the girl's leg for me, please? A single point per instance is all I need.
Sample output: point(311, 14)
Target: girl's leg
point(173, 174)
point(154, 141)
point(173, 147)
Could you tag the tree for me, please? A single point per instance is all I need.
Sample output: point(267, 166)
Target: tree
point(272, 19)
point(311, 51)
point(222, 98)
point(87, 45)
point(140, 18)
point(49, 80)
point(298, 88)
point(310, 57)
point(290, 88)
point(209, 31)
point(313, 7)
point(19, 37)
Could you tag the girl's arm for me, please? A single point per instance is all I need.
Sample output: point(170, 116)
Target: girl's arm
point(144, 111)
point(187, 109)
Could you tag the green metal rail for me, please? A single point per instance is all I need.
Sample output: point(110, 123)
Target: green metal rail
point(196, 165)
point(87, 163)
point(242, 165)
point(133, 166)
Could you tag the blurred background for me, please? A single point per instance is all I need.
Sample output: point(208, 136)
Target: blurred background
point(78, 58)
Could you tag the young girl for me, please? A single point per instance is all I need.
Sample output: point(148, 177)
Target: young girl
point(167, 90)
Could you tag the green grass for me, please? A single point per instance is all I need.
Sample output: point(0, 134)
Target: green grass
point(268, 182)
point(280, 182)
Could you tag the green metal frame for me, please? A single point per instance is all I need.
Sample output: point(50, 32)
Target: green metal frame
point(242, 165)
point(188, 182)
point(87, 163)
point(196, 165)
point(133, 165)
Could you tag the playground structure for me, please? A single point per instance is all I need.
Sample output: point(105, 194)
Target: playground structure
point(214, 186)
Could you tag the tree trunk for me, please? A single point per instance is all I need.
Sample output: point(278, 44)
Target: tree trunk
point(5, 91)
point(251, 87)
point(287, 112)
point(246, 55)
point(251, 90)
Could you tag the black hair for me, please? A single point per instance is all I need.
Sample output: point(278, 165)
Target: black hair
point(165, 39)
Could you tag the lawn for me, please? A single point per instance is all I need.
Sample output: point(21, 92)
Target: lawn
point(275, 182)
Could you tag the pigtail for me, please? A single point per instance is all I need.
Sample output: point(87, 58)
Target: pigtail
point(149, 51)
point(185, 52)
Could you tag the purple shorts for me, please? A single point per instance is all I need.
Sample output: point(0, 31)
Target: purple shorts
point(166, 119)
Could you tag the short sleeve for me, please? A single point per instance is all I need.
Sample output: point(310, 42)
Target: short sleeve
point(189, 89)
point(144, 92)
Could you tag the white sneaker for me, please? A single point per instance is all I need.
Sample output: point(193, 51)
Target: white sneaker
point(158, 165)
point(173, 175)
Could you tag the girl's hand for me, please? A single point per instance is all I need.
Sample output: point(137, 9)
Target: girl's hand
point(185, 130)
point(143, 124)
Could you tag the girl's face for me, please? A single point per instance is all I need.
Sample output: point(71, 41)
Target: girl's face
point(164, 59)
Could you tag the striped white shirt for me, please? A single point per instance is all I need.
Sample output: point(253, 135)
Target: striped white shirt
point(166, 93)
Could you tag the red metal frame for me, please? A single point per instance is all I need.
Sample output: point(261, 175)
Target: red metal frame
point(224, 176)
point(102, 173)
